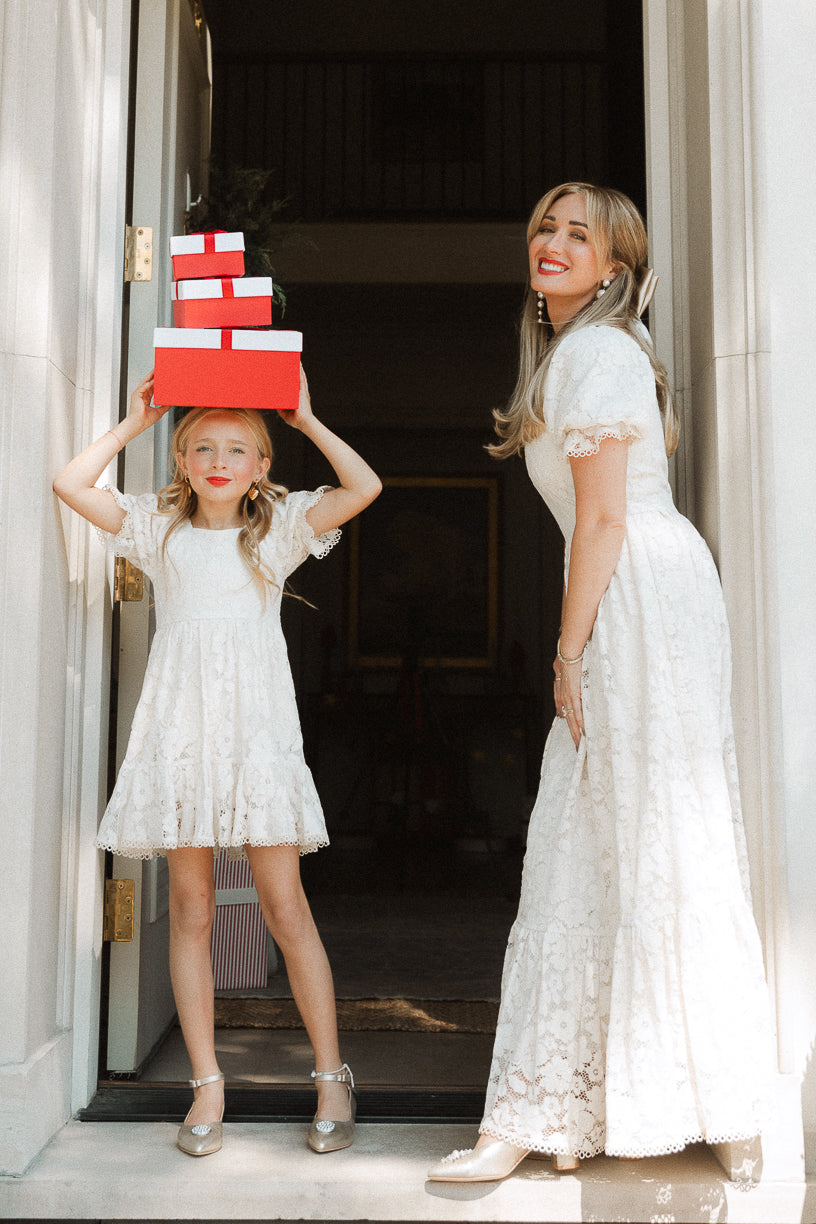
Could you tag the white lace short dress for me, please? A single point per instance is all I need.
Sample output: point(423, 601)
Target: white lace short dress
point(215, 755)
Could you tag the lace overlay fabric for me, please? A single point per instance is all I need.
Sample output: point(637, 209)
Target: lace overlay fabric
point(634, 1016)
point(215, 755)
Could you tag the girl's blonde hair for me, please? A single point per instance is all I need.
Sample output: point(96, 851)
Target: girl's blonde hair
point(618, 235)
point(180, 500)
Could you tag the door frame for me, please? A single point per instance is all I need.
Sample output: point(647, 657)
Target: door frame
point(89, 647)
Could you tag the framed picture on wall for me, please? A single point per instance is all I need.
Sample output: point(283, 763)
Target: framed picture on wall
point(423, 581)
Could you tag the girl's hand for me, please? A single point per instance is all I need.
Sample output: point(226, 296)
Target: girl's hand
point(304, 413)
point(143, 414)
point(567, 692)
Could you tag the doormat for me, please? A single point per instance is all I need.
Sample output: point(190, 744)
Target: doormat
point(358, 1015)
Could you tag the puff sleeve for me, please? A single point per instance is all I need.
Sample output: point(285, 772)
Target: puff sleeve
point(139, 539)
point(291, 536)
point(600, 385)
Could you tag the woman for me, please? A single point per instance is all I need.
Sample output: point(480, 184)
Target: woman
point(634, 1016)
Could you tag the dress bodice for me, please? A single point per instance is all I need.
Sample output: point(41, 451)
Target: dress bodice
point(600, 385)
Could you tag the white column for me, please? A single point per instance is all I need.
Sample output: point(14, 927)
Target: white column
point(726, 166)
point(63, 71)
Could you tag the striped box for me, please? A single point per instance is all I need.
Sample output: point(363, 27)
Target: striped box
point(239, 938)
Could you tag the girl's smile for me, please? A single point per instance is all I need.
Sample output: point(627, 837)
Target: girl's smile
point(222, 463)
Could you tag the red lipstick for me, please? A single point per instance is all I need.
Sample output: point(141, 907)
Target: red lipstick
point(218, 480)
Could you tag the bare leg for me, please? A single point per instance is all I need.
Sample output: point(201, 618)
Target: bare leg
point(192, 907)
point(276, 872)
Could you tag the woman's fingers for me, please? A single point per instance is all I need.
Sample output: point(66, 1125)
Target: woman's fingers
point(571, 701)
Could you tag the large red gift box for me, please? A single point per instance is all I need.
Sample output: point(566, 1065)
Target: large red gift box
point(215, 368)
point(215, 254)
point(239, 945)
point(230, 302)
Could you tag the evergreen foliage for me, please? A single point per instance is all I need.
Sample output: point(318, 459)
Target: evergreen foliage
point(237, 200)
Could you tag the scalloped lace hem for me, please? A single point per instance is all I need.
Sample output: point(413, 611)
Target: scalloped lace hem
point(235, 851)
point(632, 1151)
point(580, 443)
point(125, 532)
point(320, 545)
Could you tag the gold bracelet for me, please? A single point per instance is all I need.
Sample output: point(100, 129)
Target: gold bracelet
point(568, 661)
point(118, 439)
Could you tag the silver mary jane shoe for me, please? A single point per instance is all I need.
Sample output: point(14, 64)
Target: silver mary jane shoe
point(491, 1162)
point(329, 1136)
point(203, 1138)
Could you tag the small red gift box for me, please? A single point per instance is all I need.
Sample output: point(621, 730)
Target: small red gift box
point(243, 302)
point(211, 368)
point(215, 254)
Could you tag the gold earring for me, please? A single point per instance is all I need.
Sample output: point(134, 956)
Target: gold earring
point(253, 492)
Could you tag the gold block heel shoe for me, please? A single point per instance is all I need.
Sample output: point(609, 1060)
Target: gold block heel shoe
point(565, 1164)
point(326, 1135)
point(490, 1162)
point(203, 1138)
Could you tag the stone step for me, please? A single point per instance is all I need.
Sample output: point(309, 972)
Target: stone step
point(120, 1171)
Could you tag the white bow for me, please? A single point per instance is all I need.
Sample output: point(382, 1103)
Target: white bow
point(646, 288)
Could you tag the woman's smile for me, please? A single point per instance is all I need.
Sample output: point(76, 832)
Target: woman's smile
point(551, 267)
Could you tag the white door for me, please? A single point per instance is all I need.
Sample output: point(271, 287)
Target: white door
point(171, 143)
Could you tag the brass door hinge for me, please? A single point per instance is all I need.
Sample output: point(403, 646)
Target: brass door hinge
point(119, 896)
point(138, 253)
point(128, 581)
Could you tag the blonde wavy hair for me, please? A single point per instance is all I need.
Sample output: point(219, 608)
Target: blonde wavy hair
point(179, 500)
point(618, 235)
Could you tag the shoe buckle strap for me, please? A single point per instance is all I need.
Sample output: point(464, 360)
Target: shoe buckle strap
point(208, 1079)
point(342, 1075)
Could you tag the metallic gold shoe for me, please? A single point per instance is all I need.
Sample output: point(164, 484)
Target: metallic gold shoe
point(328, 1136)
point(565, 1164)
point(205, 1137)
point(491, 1162)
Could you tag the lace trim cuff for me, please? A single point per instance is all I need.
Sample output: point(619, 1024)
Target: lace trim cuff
point(319, 546)
point(124, 536)
point(581, 442)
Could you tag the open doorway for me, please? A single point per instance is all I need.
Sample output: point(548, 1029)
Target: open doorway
point(410, 144)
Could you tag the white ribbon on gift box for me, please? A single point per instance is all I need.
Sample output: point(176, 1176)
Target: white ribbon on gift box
point(193, 244)
point(242, 286)
point(210, 338)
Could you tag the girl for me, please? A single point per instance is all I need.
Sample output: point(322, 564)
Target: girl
point(634, 1015)
point(215, 757)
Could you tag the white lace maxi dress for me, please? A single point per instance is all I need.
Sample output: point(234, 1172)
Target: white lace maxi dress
point(215, 756)
point(634, 1014)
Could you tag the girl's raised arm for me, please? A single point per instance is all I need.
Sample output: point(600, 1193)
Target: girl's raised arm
point(76, 483)
point(359, 484)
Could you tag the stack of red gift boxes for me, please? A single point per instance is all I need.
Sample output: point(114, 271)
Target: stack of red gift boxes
point(205, 360)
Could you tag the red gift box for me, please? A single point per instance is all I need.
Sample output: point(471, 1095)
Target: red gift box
point(215, 254)
point(239, 944)
point(243, 302)
point(211, 368)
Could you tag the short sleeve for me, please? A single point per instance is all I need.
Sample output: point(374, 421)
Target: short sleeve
point(600, 385)
point(139, 538)
point(294, 539)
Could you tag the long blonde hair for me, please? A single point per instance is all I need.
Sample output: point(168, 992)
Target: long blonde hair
point(179, 500)
point(618, 235)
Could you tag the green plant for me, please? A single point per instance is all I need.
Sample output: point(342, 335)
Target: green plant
point(237, 199)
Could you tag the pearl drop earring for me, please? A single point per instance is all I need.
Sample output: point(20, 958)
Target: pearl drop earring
point(540, 297)
point(604, 288)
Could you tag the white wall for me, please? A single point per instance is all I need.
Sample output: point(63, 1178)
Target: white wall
point(62, 130)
